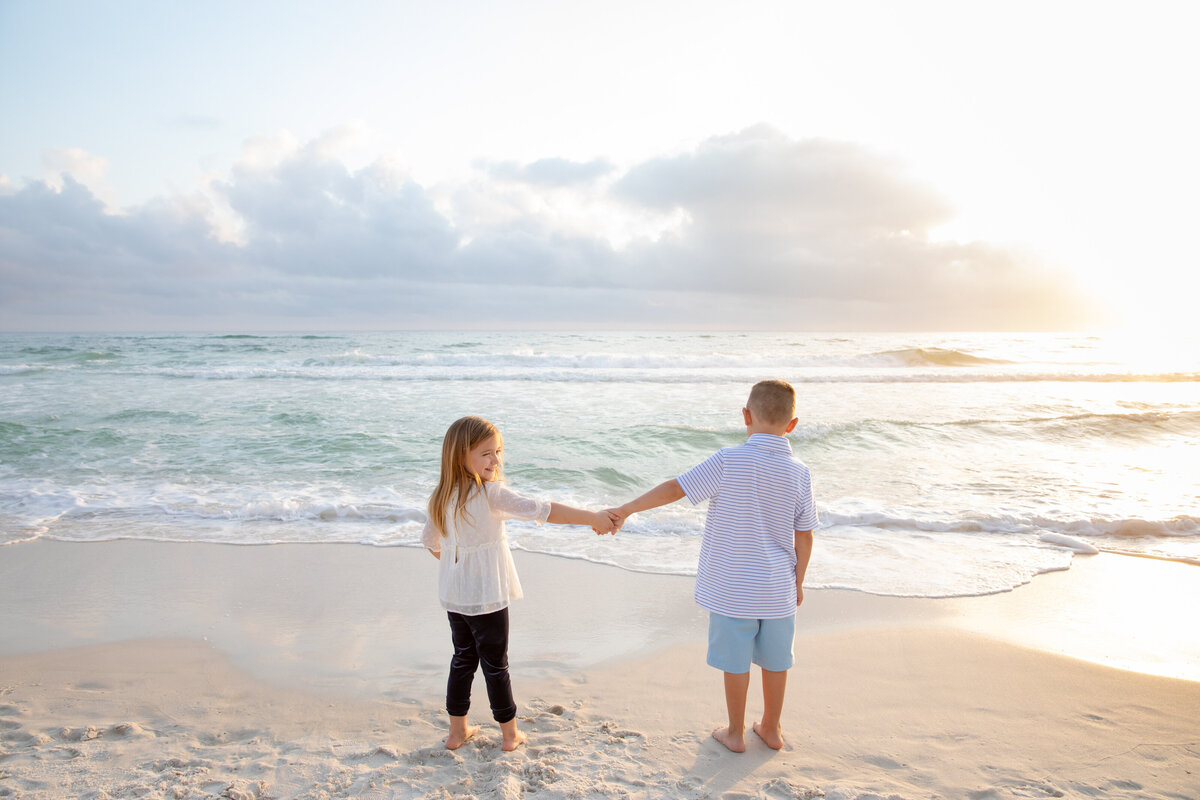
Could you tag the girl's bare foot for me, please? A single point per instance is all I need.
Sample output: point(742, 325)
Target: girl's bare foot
point(773, 738)
point(734, 741)
point(511, 737)
point(460, 733)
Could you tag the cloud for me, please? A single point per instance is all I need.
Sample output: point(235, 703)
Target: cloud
point(61, 253)
point(830, 221)
point(80, 165)
point(550, 172)
point(311, 215)
point(752, 229)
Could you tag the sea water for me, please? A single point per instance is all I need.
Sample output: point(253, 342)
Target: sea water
point(943, 464)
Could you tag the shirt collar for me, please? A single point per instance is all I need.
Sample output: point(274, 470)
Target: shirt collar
point(770, 441)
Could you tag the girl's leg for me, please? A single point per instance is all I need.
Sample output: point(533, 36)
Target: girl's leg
point(491, 642)
point(458, 686)
point(460, 733)
point(512, 738)
point(462, 665)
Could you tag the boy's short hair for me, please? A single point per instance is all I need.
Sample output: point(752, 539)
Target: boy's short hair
point(773, 402)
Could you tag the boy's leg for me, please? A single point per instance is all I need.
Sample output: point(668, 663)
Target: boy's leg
point(773, 652)
point(458, 686)
point(737, 686)
point(730, 648)
point(769, 728)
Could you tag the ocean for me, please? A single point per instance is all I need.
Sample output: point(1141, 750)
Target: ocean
point(943, 464)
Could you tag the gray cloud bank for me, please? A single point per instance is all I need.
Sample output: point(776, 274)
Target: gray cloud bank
point(768, 232)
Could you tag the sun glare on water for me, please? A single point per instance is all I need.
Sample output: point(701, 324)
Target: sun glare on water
point(1154, 347)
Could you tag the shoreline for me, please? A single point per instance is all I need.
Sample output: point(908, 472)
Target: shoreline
point(132, 669)
point(1106, 608)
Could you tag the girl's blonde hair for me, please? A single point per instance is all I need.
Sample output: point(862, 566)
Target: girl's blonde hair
point(456, 481)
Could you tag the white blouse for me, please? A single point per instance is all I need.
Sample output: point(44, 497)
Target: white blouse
point(476, 574)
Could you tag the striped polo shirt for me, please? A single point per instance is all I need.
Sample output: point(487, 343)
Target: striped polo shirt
point(759, 495)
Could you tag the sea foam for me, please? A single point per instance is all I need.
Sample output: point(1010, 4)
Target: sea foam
point(942, 464)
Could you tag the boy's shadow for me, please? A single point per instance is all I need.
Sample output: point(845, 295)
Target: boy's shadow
point(718, 770)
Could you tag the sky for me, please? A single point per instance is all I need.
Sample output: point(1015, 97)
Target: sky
point(690, 165)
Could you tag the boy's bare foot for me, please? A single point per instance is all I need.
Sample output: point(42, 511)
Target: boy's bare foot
point(460, 735)
point(773, 738)
point(736, 742)
point(511, 737)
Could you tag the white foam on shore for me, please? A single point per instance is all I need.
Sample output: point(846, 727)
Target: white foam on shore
point(1070, 542)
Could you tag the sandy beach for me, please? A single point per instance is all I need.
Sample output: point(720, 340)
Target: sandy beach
point(142, 669)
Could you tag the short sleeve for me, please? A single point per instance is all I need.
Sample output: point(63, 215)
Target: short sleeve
point(431, 538)
point(703, 481)
point(507, 504)
point(806, 507)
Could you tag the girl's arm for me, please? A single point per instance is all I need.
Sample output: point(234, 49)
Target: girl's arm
point(430, 537)
point(569, 515)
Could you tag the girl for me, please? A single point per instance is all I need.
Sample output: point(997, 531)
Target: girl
point(476, 576)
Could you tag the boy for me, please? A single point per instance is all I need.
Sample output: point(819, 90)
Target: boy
point(755, 551)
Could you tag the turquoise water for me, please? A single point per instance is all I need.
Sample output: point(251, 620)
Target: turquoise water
point(943, 464)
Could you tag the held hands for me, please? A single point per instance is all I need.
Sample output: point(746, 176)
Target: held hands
point(607, 521)
point(666, 492)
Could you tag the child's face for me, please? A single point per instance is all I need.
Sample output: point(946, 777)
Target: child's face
point(484, 459)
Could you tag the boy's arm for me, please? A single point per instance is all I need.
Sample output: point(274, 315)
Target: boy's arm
point(804, 545)
point(665, 493)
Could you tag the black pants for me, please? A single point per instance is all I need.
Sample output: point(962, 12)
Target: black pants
point(480, 639)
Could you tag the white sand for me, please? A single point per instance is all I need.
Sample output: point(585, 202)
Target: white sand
point(162, 670)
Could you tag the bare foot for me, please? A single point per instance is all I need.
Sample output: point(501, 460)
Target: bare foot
point(460, 735)
point(511, 737)
point(734, 741)
point(774, 739)
point(512, 742)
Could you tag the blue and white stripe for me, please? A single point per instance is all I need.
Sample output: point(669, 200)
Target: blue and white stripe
point(759, 495)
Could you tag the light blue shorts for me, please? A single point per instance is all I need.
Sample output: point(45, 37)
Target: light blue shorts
point(734, 643)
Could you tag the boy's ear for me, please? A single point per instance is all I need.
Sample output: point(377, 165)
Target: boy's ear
point(746, 416)
point(792, 425)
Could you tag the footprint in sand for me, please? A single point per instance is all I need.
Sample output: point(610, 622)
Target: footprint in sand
point(376, 793)
point(67, 753)
point(883, 762)
point(780, 789)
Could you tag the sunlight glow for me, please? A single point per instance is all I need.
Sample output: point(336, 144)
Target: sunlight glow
point(1119, 611)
